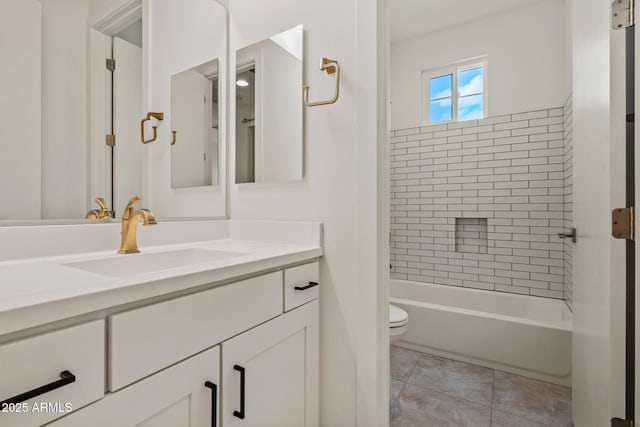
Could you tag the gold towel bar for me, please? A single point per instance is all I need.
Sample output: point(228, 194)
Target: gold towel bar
point(158, 116)
point(330, 66)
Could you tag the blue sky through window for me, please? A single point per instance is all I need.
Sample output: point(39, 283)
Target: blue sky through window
point(440, 92)
point(440, 111)
point(457, 95)
point(470, 101)
point(440, 87)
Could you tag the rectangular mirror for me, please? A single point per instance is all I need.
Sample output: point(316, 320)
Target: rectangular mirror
point(194, 126)
point(74, 89)
point(269, 120)
point(188, 77)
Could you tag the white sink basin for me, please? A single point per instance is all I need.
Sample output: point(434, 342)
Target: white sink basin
point(132, 264)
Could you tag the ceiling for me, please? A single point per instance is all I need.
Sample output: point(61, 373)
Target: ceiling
point(411, 18)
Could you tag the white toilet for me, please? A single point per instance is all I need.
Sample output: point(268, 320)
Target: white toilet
point(398, 323)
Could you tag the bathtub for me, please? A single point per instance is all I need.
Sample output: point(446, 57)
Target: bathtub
point(523, 335)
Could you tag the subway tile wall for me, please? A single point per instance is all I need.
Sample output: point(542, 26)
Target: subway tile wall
point(568, 200)
point(507, 172)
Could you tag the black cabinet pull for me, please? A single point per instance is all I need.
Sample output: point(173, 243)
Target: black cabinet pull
point(304, 288)
point(66, 377)
point(240, 413)
point(214, 402)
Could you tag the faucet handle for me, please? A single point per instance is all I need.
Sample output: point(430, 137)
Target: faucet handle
point(129, 208)
point(99, 214)
point(132, 201)
point(103, 205)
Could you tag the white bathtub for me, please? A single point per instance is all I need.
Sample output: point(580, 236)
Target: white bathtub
point(528, 336)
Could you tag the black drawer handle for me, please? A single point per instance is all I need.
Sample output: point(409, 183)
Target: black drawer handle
point(240, 413)
point(304, 288)
point(214, 402)
point(66, 377)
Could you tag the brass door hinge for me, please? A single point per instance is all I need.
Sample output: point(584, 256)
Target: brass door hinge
point(622, 223)
point(111, 64)
point(110, 140)
point(622, 14)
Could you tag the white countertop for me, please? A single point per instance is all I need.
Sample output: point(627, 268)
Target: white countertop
point(38, 291)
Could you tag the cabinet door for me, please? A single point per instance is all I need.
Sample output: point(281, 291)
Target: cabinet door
point(270, 373)
point(38, 363)
point(175, 397)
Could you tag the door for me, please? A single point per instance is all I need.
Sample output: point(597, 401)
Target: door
point(127, 100)
point(270, 373)
point(181, 396)
point(100, 48)
point(598, 337)
point(189, 105)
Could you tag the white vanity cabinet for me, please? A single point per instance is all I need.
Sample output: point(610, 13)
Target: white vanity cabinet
point(227, 356)
point(270, 373)
point(174, 397)
point(46, 376)
point(300, 285)
point(147, 339)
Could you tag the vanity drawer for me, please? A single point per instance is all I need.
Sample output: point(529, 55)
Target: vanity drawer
point(305, 279)
point(148, 339)
point(35, 362)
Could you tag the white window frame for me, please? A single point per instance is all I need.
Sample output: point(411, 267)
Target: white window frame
point(453, 69)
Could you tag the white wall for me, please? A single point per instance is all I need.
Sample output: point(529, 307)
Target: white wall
point(64, 108)
point(526, 61)
point(20, 110)
point(340, 189)
point(568, 45)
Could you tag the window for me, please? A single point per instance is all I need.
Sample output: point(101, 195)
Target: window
point(455, 93)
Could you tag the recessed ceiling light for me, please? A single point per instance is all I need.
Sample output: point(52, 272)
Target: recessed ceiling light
point(242, 83)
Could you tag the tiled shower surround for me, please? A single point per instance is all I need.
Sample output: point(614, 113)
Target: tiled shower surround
point(479, 203)
point(568, 200)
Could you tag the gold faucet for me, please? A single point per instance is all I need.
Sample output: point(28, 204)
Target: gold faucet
point(99, 214)
point(130, 220)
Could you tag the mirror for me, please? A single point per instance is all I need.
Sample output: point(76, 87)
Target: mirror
point(188, 77)
point(194, 126)
point(269, 120)
point(57, 108)
point(60, 103)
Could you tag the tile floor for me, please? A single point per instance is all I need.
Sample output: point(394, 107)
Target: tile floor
point(432, 391)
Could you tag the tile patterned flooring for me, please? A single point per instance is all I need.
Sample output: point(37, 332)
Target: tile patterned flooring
point(432, 391)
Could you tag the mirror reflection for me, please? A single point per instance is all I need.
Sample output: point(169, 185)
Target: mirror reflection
point(194, 126)
point(269, 122)
point(71, 80)
point(72, 102)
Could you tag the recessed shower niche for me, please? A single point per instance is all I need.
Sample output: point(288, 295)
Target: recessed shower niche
point(471, 235)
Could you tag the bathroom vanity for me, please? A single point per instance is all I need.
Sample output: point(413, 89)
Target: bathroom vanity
point(201, 333)
point(215, 322)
